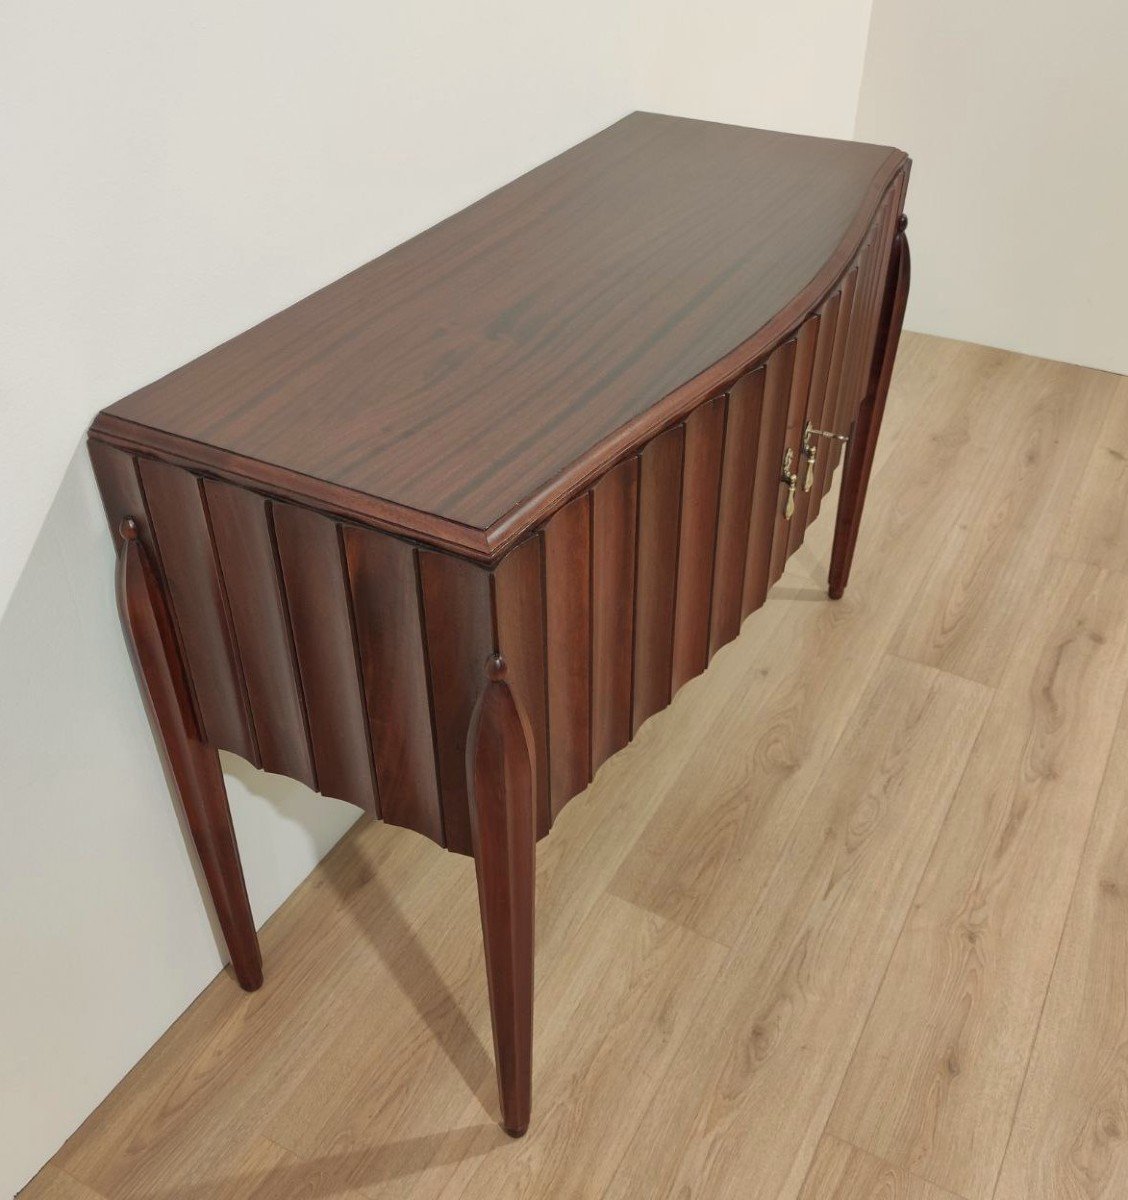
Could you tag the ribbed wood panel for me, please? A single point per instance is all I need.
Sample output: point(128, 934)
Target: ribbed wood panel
point(181, 528)
point(519, 614)
point(738, 475)
point(385, 594)
point(614, 517)
point(247, 556)
point(815, 406)
point(312, 561)
point(768, 492)
point(568, 567)
point(659, 513)
point(833, 387)
point(701, 491)
point(352, 660)
point(459, 635)
point(799, 391)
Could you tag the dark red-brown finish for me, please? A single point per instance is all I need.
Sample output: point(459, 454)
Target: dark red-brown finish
point(180, 523)
point(567, 577)
point(458, 628)
point(738, 477)
point(389, 628)
point(659, 514)
point(859, 460)
point(499, 766)
point(583, 307)
point(614, 508)
point(193, 765)
point(520, 615)
point(549, 431)
point(312, 561)
point(247, 556)
point(701, 493)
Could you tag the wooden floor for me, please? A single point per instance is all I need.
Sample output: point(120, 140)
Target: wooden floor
point(849, 920)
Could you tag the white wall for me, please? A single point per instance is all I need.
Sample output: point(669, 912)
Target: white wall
point(173, 173)
point(1016, 115)
point(793, 66)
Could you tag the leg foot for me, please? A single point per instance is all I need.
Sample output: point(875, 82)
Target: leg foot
point(503, 828)
point(193, 765)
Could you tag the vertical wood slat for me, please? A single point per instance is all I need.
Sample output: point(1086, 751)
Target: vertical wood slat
point(119, 484)
point(833, 389)
point(815, 408)
point(701, 490)
point(659, 509)
point(798, 397)
point(183, 535)
point(745, 414)
point(315, 578)
point(519, 610)
point(568, 566)
point(458, 627)
point(614, 517)
point(244, 544)
point(847, 393)
point(385, 595)
point(767, 504)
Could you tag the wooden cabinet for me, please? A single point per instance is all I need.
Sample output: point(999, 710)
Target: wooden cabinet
point(440, 538)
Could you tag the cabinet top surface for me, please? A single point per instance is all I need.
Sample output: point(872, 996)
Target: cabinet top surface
point(457, 388)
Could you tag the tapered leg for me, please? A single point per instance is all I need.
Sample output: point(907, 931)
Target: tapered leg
point(193, 765)
point(501, 773)
point(863, 440)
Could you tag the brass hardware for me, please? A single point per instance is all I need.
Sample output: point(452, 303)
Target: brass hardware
point(811, 450)
point(791, 479)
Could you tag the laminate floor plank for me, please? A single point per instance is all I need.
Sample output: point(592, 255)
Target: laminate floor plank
point(989, 572)
point(843, 1172)
point(935, 1079)
point(793, 941)
point(1068, 1140)
point(1096, 530)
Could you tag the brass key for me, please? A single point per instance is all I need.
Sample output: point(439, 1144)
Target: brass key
point(811, 450)
point(810, 453)
point(791, 479)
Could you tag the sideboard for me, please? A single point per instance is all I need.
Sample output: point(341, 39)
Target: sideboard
point(439, 538)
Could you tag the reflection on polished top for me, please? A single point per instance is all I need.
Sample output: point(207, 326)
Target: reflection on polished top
point(462, 386)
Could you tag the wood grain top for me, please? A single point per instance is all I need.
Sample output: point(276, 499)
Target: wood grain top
point(462, 386)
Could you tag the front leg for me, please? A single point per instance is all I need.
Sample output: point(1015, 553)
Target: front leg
point(501, 774)
point(194, 766)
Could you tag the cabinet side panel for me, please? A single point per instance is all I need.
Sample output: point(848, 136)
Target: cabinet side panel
point(567, 540)
point(120, 486)
point(742, 439)
point(815, 406)
point(458, 629)
point(519, 604)
point(384, 583)
point(313, 573)
point(614, 520)
point(768, 491)
point(659, 511)
point(833, 390)
point(182, 530)
point(244, 543)
point(798, 397)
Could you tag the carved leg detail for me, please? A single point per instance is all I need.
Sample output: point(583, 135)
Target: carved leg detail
point(193, 765)
point(863, 442)
point(501, 774)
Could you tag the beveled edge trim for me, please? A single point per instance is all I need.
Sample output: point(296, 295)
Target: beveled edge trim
point(489, 545)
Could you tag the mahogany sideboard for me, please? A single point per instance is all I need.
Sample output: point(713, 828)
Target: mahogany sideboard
point(439, 538)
